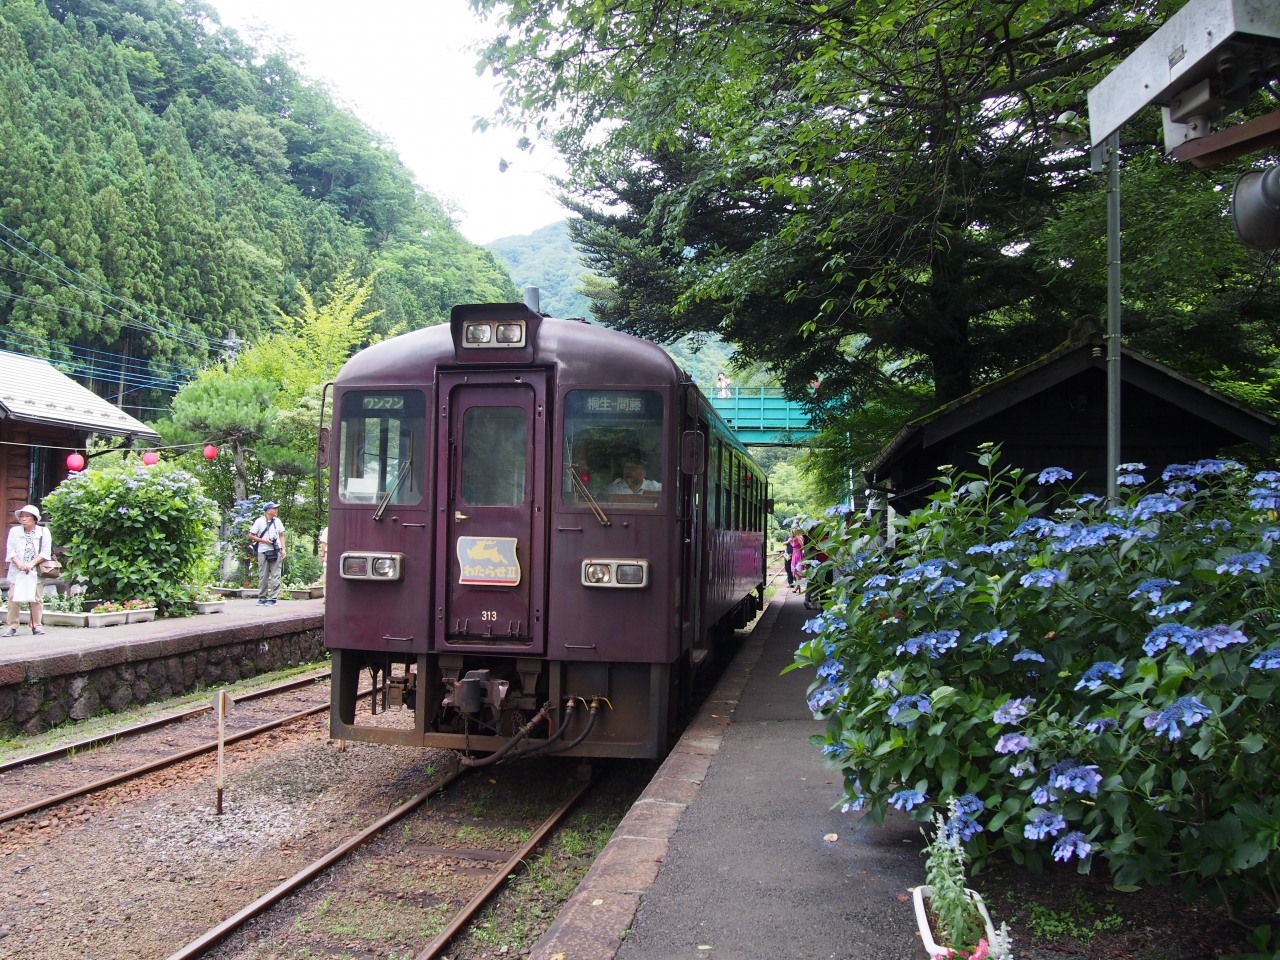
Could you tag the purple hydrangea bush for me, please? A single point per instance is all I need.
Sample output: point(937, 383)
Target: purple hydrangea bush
point(1088, 682)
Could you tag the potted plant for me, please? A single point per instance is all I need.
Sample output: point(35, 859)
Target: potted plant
point(65, 610)
point(297, 591)
point(108, 613)
point(317, 591)
point(208, 600)
point(139, 611)
point(953, 919)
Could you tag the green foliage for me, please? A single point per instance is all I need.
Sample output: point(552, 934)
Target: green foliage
point(135, 532)
point(959, 925)
point(1102, 681)
point(170, 163)
point(547, 259)
point(1079, 921)
point(301, 567)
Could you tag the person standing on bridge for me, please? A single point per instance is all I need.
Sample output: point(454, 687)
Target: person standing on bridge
point(28, 546)
point(267, 537)
point(722, 386)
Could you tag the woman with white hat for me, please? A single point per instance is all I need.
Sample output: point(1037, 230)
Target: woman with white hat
point(29, 545)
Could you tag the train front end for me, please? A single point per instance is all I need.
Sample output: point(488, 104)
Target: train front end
point(505, 544)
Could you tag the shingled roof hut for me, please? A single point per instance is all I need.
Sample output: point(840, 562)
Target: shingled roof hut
point(1053, 412)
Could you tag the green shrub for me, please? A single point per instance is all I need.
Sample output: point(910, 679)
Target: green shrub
point(301, 567)
point(134, 532)
point(1101, 682)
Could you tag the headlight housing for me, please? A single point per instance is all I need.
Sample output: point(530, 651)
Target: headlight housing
point(363, 565)
point(478, 333)
point(618, 573)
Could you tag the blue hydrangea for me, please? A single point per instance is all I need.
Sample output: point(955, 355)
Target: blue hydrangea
point(1073, 844)
point(1098, 724)
point(1011, 711)
point(1176, 471)
point(1268, 660)
point(1032, 525)
point(1053, 475)
point(1070, 774)
point(826, 695)
point(885, 683)
point(994, 637)
point(1204, 468)
point(832, 749)
point(944, 585)
point(1154, 504)
point(831, 669)
point(1224, 525)
point(839, 510)
point(1002, 546)
point(1013, 743)
point(878, 580)
point(1042, 795)
point(933, 643)
point(1167, 633)
point(871, 596)
point(1153, 589)
point(1044, 825)
point(1130, 467)
point(1271, 534)
point(1028, 655)
point(962, 827)
point(1087, 498)
point(1022, 767)
point(1215, 638)
point(907, 799)
point(1187, 711)
point(911, 701)
point(1092, 536)
point(1180, 488)
point(1044, 579)
point(1253, 561)
point(1130, 480)
point(970, 804)
point(978, 548)
point(929, 570)
point(1169, 609)
point(1094, 676)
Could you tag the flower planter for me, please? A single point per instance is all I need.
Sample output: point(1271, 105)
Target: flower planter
point(317, 592)
point(210, 606)
point(106, 619)
point(145, 615)
point(248, 593)
point(918, 895)
point(227, 591)
point(56, 618)
point(304, 594)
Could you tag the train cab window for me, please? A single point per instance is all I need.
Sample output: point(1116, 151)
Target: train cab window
point(382, 446)
point(613, 444)
point(495, 456)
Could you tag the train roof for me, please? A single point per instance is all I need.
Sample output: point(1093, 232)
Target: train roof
point(583, 353)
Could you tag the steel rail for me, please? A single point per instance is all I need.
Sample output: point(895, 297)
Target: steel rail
point(206, 747)
point(198, 946)
point(58, 752)
point(478, 901)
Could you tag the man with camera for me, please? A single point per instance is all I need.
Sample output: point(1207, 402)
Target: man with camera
point(267, 537)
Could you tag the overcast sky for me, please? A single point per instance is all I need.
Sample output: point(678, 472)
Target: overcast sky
point(405, 68)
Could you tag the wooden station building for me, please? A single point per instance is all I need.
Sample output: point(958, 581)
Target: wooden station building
point(44, 417)
point(1053, 413)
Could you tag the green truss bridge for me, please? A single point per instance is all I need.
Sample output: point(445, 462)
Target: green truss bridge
point(761, 415)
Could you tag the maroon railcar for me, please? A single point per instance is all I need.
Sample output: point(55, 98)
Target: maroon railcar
point(533, 523)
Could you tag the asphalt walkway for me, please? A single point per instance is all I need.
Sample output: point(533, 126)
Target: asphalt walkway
point(725, 854)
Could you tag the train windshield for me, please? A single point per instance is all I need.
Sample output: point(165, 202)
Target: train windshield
point(382, 444)
point(613, 443)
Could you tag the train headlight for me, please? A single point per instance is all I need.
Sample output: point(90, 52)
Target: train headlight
point(479, 333)
point(362, 565)
point(512, 333)
point(598, 573)
point(627, 574)
point(630, 574)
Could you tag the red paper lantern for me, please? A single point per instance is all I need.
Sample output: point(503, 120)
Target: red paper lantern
point(210, 452)
point(75, 463)
point(151, 458)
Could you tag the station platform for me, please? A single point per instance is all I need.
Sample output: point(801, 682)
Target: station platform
point(724, 853)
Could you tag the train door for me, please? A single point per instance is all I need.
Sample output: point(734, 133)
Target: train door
point(491, 538)
point(692, 509)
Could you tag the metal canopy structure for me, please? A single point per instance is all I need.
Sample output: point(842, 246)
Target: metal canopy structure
point(762, 415)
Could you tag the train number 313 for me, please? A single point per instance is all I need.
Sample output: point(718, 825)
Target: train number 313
point(488, 614)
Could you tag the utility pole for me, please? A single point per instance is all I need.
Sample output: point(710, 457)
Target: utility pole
point(1112, 149)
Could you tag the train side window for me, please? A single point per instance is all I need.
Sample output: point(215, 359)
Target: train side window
point(495, 455)
point(613, 444)
point(383, 445)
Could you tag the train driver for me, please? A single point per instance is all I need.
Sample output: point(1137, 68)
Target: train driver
point(634, 481)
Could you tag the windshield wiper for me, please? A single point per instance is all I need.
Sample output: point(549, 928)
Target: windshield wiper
point(391, 490)
point(581, 487)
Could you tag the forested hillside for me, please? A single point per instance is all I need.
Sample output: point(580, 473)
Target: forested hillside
point(549, 260)
point(166, 162)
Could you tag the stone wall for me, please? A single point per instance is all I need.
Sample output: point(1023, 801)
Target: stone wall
point(38, 694)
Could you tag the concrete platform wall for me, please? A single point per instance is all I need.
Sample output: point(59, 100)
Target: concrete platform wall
point(43, 692)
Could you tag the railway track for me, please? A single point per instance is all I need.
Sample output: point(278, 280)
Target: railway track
point(159, 763)
point(510, 862)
